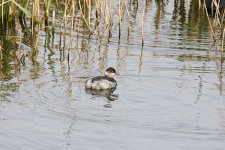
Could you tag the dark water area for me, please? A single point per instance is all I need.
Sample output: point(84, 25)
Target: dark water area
point(170, 94)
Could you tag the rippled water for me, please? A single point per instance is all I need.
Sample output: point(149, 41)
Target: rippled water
point(170, 92)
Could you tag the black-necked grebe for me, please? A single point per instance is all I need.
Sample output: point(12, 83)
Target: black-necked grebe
point(102, 82)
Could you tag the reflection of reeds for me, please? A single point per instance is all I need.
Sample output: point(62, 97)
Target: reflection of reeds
point(216, 23)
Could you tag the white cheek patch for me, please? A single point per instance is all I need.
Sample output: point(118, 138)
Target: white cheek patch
point(109, 74)
point(106, 73)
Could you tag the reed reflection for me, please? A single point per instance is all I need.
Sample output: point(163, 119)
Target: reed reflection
point(9, 56)
point(160, 12)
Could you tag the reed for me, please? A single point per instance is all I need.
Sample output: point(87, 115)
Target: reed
point(108, 18)
point(47, 4)
point(120, 16)
point(216, 23)
point(142, 25)
point(72, 26)
point(44, 12)
point(24, 5)
point(222, 47)
point(1, 53)
point(102, 8)
point(83, 16)
point(2, 7)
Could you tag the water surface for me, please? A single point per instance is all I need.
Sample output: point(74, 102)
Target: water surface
point(170, 91)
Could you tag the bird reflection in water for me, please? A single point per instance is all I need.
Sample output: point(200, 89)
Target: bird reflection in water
point(104, 93)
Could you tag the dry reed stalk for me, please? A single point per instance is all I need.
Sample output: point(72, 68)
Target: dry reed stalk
point(222, 40)
point(89, 11)
point(108, 18)
point(97, 15)
point(221, 56)
point(217, 11)
point(32, 19)
point(36, 18)
point(53, 27)
point(214, 36)
point(35, 13)
point(2, 10)
point(97, 7)
point(65, 24)
point(38, 33)
point(78, 29)
point(60, 43)
point(120, 17)
point(142, 25)
point(83, 16)
point(46, 16)
point(72, 23)
point(72, 13)
point(53, 20)
point(13, 9)
point(1, 56)
point(199, 4)
point(128, 18)
point(218, 21)
point(100, 12)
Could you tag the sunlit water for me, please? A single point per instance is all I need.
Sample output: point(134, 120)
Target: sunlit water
point(170, 93)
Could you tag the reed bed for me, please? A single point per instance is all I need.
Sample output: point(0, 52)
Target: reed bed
point(90, 17)
point(215, 14)
point(91, 12)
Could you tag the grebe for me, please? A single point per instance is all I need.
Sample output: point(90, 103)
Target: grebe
point(102, 82)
